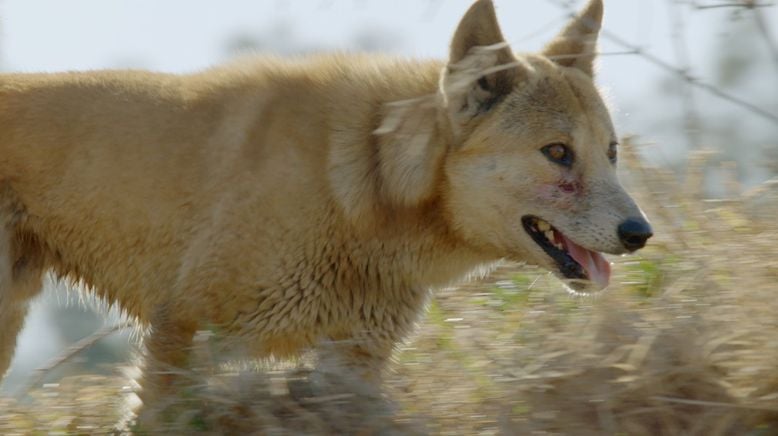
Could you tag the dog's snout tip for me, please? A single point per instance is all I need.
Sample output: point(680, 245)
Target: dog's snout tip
point(634, 232)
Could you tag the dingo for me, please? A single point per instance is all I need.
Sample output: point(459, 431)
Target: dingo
point(289, 203)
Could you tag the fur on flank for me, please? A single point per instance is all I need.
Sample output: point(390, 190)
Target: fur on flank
point(291, 203)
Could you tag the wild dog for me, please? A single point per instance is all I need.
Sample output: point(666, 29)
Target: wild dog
point(291, 203)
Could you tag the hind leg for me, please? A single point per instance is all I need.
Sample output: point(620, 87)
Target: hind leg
point(21, 279)
point(12, 320)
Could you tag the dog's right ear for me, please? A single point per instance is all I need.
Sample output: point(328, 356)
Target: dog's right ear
point(576, 45)
point(481, 68)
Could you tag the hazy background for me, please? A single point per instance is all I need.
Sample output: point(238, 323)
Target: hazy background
point(709, 42)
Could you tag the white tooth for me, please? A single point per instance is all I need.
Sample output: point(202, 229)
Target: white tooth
point(549, 235)
point(543, 226)
point(559, 246)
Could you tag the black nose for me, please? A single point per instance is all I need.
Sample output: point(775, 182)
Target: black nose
point(634, 232)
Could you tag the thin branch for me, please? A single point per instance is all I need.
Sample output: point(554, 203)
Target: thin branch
point(712, 403)
point(599, 53)
point(744, 4)
point(81, 345)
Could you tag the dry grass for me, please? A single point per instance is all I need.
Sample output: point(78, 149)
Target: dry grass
point(685, 342)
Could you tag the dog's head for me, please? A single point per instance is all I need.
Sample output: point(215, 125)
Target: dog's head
point(532, 175)
point(528, 171)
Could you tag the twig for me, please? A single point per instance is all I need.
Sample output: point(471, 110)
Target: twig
point(71, 351)
point(746, 4)
point(326, 399)
point(712, 403)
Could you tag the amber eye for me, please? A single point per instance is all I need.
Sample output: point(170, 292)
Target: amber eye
point(613, 152)
point(559, 154)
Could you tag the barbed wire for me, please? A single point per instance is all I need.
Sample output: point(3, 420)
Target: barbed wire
point(679, 71)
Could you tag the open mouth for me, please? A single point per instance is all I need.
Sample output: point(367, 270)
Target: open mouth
point(574, 261)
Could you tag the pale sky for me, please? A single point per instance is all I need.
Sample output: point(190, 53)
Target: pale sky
point(187, 35)
point(182, 35)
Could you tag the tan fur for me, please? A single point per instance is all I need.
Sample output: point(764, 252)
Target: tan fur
point(286, 203)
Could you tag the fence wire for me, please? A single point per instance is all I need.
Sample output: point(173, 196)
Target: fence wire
point(680, 68)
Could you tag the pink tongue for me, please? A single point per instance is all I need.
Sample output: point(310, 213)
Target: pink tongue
point(598, 269)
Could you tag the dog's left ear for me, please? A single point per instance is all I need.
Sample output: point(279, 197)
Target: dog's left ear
point(576, 45)
point(481, 68)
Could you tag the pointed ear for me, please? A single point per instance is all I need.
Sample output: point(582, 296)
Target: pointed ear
point(477, 28)
point(576, 45)
point(481, 69)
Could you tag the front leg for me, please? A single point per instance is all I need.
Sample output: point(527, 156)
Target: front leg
point(360, 354)
point(167, 353)
point(358, 363)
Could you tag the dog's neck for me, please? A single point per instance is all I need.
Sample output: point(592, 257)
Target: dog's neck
point(393, 186)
